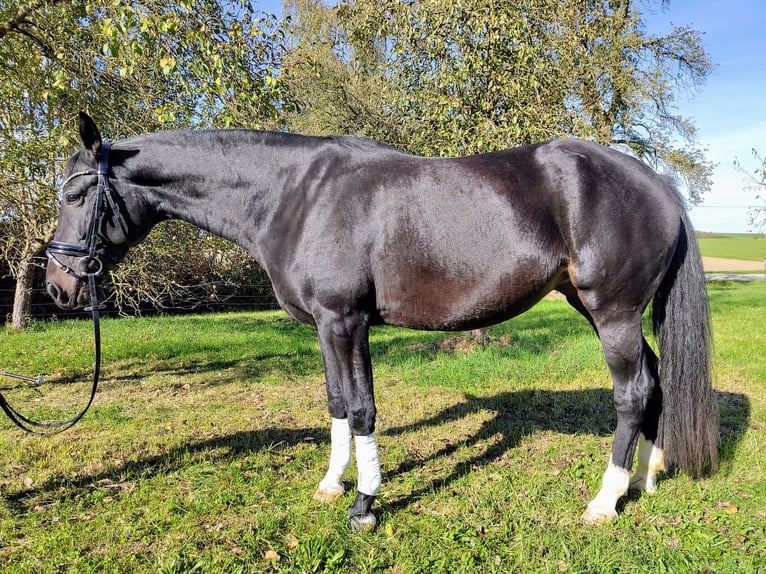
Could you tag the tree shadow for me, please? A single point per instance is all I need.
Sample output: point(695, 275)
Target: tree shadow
point(220, 449)
point(515, 415)
point(535, 332)
point(726, 296)
point(522, 413)
point(293, 349)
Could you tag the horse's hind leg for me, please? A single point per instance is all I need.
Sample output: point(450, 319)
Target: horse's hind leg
point(651, 458)
point(633, 370)
point(348, 372)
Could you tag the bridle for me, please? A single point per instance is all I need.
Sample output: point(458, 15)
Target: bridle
point(90, 267)
point(90, 263)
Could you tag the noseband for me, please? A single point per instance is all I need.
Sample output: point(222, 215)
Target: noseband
point(90, 263)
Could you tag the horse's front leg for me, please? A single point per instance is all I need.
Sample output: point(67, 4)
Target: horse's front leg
point(343, 339)
point(331, 487)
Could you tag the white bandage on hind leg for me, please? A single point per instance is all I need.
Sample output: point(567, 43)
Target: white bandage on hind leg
point(340, 457)
point(651, 460)
point(368, 465)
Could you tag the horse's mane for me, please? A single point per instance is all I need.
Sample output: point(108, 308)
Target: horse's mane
point(243, 135)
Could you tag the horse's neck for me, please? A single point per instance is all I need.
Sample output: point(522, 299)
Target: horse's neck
point(229, 188)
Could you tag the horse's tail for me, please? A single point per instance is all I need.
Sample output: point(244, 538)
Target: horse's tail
point(681, 317)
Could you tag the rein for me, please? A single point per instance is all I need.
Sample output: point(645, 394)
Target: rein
point(92, 269)
point(32, 427)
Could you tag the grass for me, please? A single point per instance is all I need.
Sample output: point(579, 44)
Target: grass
point(745, 246)
point(210, 433)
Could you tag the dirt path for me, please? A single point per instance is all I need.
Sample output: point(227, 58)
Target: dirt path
point(718, 264)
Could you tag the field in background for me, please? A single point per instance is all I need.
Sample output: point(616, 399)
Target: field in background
point(746, 246)
point(210, 433)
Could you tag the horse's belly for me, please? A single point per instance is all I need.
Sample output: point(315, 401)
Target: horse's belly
point(424, 299)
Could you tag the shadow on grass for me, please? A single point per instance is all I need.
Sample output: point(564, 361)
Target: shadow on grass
point(522, 413)
point(516, 414)
point(279, 344)
point(219, 449)
point(536, 332)
point(195, 345)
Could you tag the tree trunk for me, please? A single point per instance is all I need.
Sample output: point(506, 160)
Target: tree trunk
point(22, 299)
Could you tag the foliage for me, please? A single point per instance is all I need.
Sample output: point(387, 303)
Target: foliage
point(757, 183)
point(215, 61)
point(136, 66)
point(332, 92)
point(448, 78)
point(207, 273)
point(433, 77)
point(209, 434)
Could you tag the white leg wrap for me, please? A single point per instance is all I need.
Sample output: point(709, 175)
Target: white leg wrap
point(614, 484)
point(331, 486)
point(368, 464)
point(651, 460)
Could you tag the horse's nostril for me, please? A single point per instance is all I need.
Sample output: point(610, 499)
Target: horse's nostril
point(53, 291)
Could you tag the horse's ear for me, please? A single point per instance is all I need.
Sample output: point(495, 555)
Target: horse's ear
point(89, 134)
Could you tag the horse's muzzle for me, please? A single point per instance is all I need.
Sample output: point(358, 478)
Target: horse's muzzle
point(67, 291)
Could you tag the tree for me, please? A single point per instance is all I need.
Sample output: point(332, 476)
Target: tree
point(26, 213)
point(756, 182)
point(137, 66)
point(330, 91)
point(208, 273)
point(447, 77)
point(623, 84)
point(27, 188)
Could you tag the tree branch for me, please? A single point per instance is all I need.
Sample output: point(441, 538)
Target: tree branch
point(16, 21)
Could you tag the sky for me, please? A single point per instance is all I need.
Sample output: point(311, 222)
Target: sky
point(729, 110)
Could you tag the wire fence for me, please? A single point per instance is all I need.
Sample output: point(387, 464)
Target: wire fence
point(249, 297)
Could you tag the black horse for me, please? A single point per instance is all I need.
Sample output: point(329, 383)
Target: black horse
point(354, 233)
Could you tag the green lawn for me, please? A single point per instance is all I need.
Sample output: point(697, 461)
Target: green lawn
point(746, 246)
point(210, 433)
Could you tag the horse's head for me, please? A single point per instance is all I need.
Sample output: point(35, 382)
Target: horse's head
point(93, 232)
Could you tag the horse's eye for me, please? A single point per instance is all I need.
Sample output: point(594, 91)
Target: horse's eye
point(73, 197)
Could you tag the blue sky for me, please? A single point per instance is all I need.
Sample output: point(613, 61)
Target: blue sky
point(730, 109)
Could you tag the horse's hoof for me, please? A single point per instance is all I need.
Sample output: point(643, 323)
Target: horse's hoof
point(329, 492)
point(362, 522)
point(360, 516)
point(594, 515)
